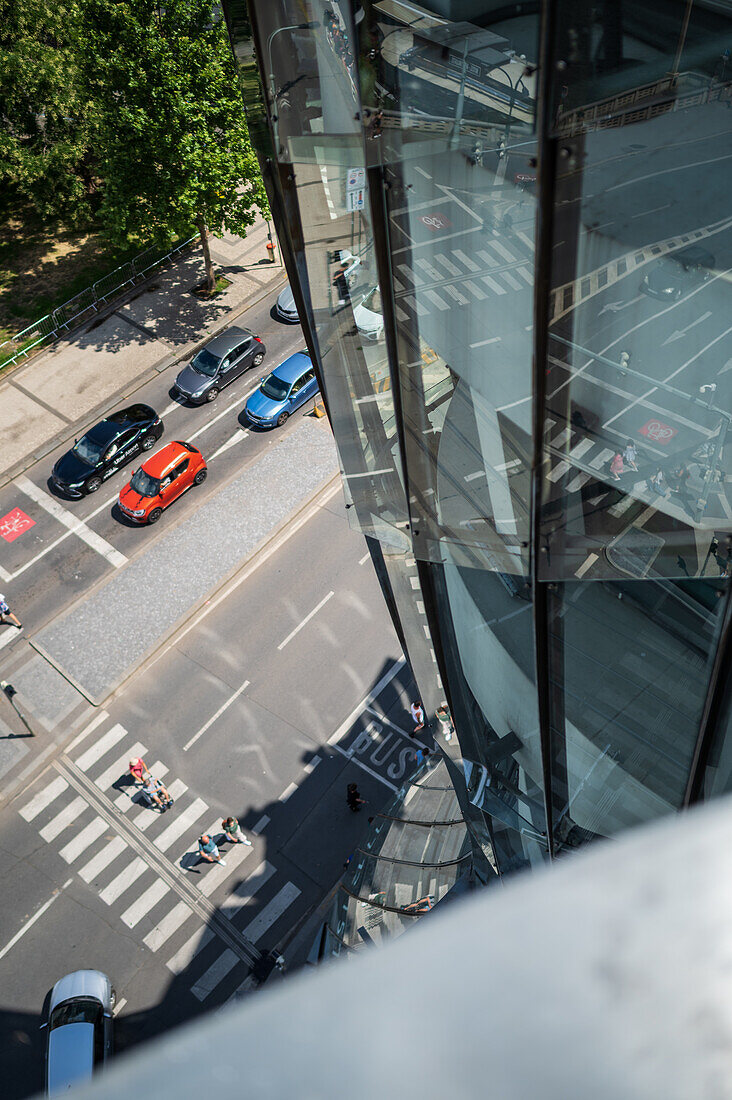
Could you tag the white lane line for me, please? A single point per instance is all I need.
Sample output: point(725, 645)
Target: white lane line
point(586, 564)
point(502, 251)
point(271, 912)
point(526, 275)
point(482, 343)
point(187, 953)
point(216, 973)
point(236, 438)
point(43, 799)
point(32, 920)
point(166, 927)
point(372, 695)
point(219, 712)
point(4, 575)
point(450, 266)
point(422, 172)
point(216, 875)
point(224, 412)
point(312, 765)
point(62, 821)
point(96, 721)
point(527, 240)
point(486, 257)
point(52, 545)
point(123, 881)
point(75, 525)
point(365, 767)
point(246, 890)
point(83, 840)
point(288, 792)
point(184, 821)
point(471, 477)
point(120, 768)
point(102, 746)
point(305, 621)
point(102, 859)
point(364, 559)
point(261, 825)
point(145, 903)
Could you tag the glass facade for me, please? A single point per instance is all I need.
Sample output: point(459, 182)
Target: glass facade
point(508, 233)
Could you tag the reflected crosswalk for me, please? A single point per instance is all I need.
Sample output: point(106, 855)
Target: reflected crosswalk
point(131, 883)
point(451, 277)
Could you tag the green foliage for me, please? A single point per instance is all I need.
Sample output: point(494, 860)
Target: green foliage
point(46, 123)
point(173, 147)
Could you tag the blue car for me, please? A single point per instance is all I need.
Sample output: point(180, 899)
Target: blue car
point(289, 385)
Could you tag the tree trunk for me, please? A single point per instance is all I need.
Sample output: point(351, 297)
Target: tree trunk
point(210, 276)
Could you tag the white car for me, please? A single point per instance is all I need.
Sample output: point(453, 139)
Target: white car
point(79, 1028)
point(286, 308)
point(369, 320)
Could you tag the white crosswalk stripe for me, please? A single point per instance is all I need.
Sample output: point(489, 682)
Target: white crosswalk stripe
point(271, 912)
point(168, 926)
point(62, 820)
point(242, 896)
point(180, 825)
point(216, 973)
point(512, 282)
point(493, 284)
point(185, 955)
point(503, 251)
point(491, 261)
point(102, 859)
point(102, 746)
point(465, 260)
point(120, 767)
point(577, 482)
point(140, 908)
point(475, 290)
point(84, 839)
point(600, 460)
point(44, 798)
point(123, 880)
point(216, 875)
point(448, 264)
point(150, 814)
point(435, 299)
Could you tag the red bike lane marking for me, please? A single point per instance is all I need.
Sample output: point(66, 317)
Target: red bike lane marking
point(14, 523)
point(658, 431)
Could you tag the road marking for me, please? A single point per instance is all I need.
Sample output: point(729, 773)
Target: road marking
point(558, 471)
point(216, 973)
point(145, 903)
point(52, 545)
point(493, 284)
point(224, 412)
point(103, 745)
point(435, 299)
point(422, 172)
point(246, 890)
point(8, 637)
point(184, 821)
point(511, 280)
point(216, 875)
point(32, 920)
point(97, 721)
point(236, 438)
point(680, 332)
point(119, 768)
point(305, 621)
point(364, 558)
point(148, 814)
point(482, 343)
point(271, 912)
point(260, 826)
point(622, 506)
point(365, 767)
point(312, 765)
point(170, 924)
point(43, 799)
point(102, 859)
point(577, 483)
point(75, 525)
point(581, 448)
point(474, 290)
point(126, 878)
point(372, 695)
point(62, 820)
point(586, 564)
point(504, 466)
point(4, 575)
point(219, 712)
point(84, 839)
point(185, 956)
point(119, 1006)
point(601, 459)
point(465, 260)
point(288, 792)
point(486, 257)
point(473, 477)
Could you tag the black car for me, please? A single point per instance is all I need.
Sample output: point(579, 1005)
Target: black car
point(221, 361)
point(106, 448)
point(677, 272)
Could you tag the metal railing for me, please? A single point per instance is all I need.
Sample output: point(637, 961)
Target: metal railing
point(85, 303)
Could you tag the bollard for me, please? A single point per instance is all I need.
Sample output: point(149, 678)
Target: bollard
point(271, 251)
point(318, 409)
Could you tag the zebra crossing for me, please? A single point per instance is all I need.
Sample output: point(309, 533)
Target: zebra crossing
point(450, 277)
point(138, 861)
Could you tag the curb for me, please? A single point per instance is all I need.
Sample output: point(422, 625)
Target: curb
point(166, 361)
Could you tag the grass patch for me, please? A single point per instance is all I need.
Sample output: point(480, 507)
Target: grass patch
point(220, 285)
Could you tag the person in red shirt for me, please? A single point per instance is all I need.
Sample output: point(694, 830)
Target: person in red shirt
point(617, 466)
point(138, 767)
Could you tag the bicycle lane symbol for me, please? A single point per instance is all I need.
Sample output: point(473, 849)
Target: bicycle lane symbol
point(14, 523)
point(435, 222)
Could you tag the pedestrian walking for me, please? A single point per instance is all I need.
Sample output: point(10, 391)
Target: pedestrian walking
point(208, 851)
point(658, 483)
point(417, 715)
point(6, 613)
point(233, 831)
point(443, 716)
point(421, 755)
point(616, 466)
point(340, 282)
point(138, 768)
point(353, 798)
point(630, 455)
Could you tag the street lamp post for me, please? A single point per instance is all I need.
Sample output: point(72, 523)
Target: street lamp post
point(272, 90)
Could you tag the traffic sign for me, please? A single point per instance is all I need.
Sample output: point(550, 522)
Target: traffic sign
point(355, 200)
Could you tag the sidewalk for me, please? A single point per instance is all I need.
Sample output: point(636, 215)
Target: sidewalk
point(75, 381)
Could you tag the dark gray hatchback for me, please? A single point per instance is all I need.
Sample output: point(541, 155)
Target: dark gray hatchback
point(222, 360)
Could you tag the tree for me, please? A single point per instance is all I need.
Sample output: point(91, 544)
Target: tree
point(46, 121)
point(174, 149)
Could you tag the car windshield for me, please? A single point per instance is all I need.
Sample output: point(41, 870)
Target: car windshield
point(88, 451)
point(81, 1011)
point(275, 388)
point(206, 363)
point(145, 485)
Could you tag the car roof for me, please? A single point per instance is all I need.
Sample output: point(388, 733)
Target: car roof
point(133, 414)
point(80, 983)
point(225, 341)
point(163, 461)
point(70, 1055)
point(694, 255)
point(291, 369)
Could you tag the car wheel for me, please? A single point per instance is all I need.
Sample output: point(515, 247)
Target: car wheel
point(212, 394)
point(155, 515)
point(282, 418)
point(148, 442)
point(200, 477)
point(93, 484)
point(257, 358)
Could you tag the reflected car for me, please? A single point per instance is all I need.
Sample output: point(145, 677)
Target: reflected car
point(161, 480)
point(288, 387)
point(79, 1029)
point(678, 272)
point(106, 448)
point(286, 309)
point(223, 359)
point(367, 315)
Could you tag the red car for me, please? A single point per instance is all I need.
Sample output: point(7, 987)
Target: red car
point(160, 480)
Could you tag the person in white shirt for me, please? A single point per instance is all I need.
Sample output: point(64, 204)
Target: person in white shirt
point(417, 715)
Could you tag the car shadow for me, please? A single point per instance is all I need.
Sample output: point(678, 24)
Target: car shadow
point(123, 520)
point(281, 320)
